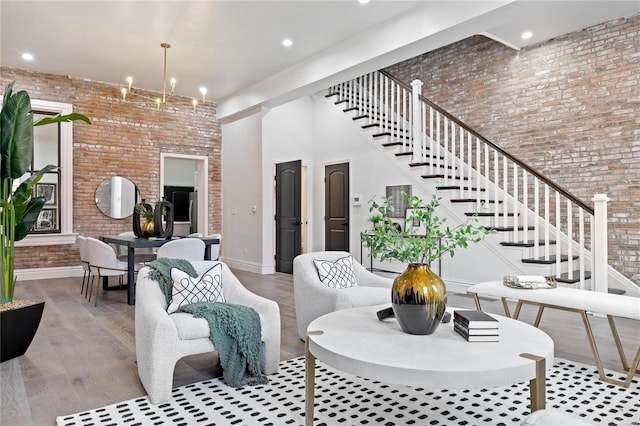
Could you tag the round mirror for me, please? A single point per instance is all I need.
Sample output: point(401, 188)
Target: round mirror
point(116, 196)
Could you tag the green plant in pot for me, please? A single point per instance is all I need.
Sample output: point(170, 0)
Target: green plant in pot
point(418, 295)
point(19, 210)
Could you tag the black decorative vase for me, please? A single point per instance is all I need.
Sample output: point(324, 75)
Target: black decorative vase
point(163, 214)
point(17, 329)
point(419, 299)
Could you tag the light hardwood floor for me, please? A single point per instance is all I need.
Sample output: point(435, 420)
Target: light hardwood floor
point(83, 357)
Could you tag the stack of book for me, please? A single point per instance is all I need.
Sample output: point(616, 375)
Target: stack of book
point(475, 326)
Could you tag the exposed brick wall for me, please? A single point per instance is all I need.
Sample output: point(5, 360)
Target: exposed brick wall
point(569, 107)
point(125, 140)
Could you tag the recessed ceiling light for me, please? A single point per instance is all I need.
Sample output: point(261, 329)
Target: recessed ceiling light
point(526, 35)
point(287, 42)
point(27, 56)
point(363, 1)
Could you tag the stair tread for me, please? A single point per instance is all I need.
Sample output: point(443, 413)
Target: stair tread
point(368, 126)
point(564, 277)
point(441, 176)
point(473, 200)
point(456, 187)
point(528, 243)
point(552, 259)
point(508, 228)
point(426, 163)
point(487, 214)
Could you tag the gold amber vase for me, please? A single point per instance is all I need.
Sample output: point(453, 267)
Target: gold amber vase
point(419, 299)
point(148, 228)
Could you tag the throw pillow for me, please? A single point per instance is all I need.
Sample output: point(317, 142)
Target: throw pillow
point(338, 274)
point(204, 288)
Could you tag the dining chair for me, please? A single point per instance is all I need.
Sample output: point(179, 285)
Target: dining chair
point(103, 262)
point(183, 248)
point(84, 259)
point(215, 248)
point(142, 255)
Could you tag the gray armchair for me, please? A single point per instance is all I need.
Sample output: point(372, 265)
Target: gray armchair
point(313, 298)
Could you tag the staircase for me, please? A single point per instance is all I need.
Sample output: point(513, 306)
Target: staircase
point(551, 226)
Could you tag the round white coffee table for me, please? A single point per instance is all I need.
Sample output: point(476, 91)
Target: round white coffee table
point(356, 342)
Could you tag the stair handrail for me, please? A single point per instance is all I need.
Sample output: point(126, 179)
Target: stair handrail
point(511, 157)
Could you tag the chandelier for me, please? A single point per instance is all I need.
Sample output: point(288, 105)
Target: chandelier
point(160, 101)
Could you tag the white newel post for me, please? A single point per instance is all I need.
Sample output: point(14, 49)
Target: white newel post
point(600, 244)
point(416, 129)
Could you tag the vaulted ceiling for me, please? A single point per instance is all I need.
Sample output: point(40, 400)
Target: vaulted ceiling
point(234, 48)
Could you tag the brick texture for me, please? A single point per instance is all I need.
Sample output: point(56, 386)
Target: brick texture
point(569, 107)
point(126, 140)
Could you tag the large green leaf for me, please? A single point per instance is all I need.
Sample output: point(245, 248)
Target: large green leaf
point(16, 121)
point(62, 119)
point(20, 198)
point(29, 217)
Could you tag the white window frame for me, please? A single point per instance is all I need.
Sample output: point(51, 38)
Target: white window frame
point(66, 235)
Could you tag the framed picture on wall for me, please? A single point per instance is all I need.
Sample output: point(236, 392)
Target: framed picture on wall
point(48, 191)
point(47, 220)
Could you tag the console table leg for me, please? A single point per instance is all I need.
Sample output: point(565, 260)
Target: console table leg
point(537, 385)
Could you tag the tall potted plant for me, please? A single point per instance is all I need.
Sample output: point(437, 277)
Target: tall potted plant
point(18, 210)
point(418, 295)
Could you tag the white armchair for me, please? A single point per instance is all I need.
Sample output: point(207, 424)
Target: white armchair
point(313, 298)
point(162, 339)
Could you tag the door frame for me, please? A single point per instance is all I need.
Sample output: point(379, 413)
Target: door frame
point(324, 201)
point(201, 184)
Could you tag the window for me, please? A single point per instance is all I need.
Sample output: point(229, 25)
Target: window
point(53, 144)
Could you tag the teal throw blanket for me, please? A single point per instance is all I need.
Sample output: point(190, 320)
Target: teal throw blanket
point(234, 330)
point(235, 333)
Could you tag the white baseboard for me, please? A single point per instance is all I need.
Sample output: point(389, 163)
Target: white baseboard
point(243, 265)
point(46, 273)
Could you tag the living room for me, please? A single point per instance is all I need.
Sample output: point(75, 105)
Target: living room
point(243, 145)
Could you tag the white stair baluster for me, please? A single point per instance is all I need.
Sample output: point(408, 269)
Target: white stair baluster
point(431, 147)
point(558, 243)
point(445, 151)
point(581, 260)
point(505, 190)
point(496, 186)
point(546, 221)
point(569, 241)
point(462, 164)
point(516, 231)
point(478, 174)
point(536, 220)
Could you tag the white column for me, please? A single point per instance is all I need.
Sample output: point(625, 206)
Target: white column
point(599, 251)
point(416, 129)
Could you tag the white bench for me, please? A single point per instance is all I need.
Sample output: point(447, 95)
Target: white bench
point(574, 300)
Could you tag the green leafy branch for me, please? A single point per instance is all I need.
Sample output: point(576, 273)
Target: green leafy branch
point(385, 241)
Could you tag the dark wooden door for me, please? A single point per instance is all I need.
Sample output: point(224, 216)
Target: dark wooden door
point(288, 214)
point(336, 178)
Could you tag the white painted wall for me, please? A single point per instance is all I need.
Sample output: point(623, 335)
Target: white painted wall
point(242, 231)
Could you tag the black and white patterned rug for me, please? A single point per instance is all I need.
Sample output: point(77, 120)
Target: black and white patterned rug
point(343, 399)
